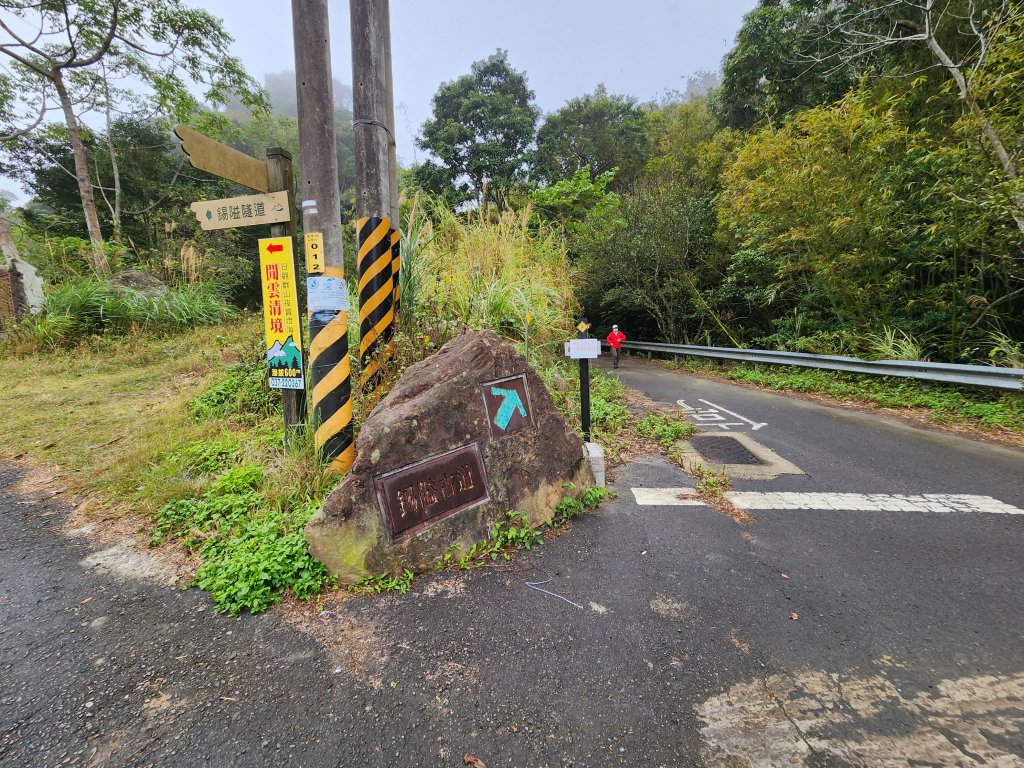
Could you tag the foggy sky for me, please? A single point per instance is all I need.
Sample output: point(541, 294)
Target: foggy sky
point(566, 47)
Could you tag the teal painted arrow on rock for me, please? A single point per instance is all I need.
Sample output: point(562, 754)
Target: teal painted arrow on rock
point(509, 406)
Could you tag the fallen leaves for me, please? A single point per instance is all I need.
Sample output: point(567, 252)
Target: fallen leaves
point(475, 762)
point(740, 645)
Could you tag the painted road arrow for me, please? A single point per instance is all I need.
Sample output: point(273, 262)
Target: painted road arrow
point(509, 406)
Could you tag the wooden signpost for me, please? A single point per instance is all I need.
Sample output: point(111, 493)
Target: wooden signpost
point(221, 160)
point(280, 310)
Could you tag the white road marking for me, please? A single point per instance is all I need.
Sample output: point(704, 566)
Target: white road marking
point(813, 717)
point(873, 502)
point(753, 425)
point(713, 413)
point(840, 502)
point(667, 497)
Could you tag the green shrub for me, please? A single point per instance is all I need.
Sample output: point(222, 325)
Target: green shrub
point(82, 308)
point(252, 567)
point(241, 392)
point(571, 506)
point(664, 429)
point(252, 552)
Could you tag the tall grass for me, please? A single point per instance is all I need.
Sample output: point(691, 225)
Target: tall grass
point(468, 272)
point(87, 307)
point(893, 344)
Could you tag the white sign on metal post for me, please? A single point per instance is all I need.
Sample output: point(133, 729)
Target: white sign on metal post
point(583, 349)
point(248, 211)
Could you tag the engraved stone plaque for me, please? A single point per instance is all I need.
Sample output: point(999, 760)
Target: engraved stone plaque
point(508, 405)
point(430, 490)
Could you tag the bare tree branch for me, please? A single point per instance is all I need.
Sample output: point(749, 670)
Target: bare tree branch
point(43, 109)
point(174, 178)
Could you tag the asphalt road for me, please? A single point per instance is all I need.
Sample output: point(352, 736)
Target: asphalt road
point(677, 637)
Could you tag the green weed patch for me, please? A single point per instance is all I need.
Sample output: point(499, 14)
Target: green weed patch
point(252, 551)
point(664, 429)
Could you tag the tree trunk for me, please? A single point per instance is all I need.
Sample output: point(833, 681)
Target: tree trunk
point(97, 258)
point(115, 211)
point(7, 246)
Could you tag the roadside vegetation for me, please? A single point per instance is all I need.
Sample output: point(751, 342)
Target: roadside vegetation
point(210, 470)
point(985, 410)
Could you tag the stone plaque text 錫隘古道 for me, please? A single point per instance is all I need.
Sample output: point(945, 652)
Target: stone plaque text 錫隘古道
point(430, 490)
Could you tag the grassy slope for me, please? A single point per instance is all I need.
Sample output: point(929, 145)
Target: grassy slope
point(107, 415)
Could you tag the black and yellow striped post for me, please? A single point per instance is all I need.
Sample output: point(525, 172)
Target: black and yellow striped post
point(396, 271)
point(376, 299)
point(331, 386)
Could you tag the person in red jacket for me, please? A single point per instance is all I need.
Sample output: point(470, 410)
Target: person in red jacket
point(615, 339)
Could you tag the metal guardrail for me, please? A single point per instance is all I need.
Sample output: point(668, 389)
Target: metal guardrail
point(948, 373)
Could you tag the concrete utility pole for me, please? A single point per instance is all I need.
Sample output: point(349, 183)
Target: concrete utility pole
point(389, 111)
point(389, 103)
point(373, 196)
point(330, 381)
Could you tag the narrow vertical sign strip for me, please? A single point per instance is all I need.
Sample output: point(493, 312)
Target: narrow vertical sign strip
point(281, 314)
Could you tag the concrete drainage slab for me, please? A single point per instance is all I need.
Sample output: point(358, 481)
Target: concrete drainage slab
point(724, 449)
point(737, 454)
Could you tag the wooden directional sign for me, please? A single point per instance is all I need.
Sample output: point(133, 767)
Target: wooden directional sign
point(271, 208)
point(221, 160)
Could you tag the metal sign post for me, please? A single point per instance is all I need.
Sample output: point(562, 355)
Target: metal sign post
point(584, 333)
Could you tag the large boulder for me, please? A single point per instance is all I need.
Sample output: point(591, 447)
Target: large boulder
point(139, 281)
point(462, 438)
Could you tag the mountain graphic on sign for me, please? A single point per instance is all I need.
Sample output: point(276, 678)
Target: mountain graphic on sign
point(285, 355)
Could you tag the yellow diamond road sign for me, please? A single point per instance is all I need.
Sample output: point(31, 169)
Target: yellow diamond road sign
point(582, 326)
